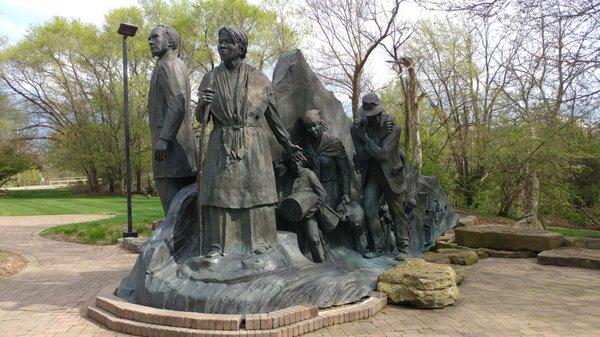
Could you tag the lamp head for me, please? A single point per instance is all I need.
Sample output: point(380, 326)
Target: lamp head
point(127, 30)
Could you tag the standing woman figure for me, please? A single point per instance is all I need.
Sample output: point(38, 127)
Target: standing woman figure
point(238, 192)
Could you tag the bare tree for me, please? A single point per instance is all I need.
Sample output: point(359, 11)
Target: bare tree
point(461, 76)
point(349, 32)
point(553, 75)
point(408, 93)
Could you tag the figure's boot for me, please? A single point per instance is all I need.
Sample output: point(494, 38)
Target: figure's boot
point(214, 251)
point(319, 254)
point(371, 251)
point(402, 239)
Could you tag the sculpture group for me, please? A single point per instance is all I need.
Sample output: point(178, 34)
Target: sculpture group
point(343, 204)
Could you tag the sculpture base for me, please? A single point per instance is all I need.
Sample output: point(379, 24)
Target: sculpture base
point(169, 274)
point(119, 315)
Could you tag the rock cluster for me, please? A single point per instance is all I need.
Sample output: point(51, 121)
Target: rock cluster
point(420, 284)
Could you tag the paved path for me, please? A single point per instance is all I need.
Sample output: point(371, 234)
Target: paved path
point(500, 297)
point(61, 278)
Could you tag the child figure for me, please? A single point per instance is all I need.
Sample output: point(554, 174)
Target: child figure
point(302, 187)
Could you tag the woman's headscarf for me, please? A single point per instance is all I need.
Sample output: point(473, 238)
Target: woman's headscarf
point(238, 36)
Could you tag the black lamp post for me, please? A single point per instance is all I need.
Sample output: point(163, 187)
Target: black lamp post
point(127, 30)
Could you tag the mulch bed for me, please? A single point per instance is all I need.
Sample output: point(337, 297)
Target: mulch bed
point(11, 263)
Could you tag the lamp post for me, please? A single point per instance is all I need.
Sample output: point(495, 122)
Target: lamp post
point(127, 30)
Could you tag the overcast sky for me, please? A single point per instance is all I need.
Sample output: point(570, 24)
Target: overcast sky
point(17, 15)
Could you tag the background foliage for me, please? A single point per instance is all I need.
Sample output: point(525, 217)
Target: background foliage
point(507, 97)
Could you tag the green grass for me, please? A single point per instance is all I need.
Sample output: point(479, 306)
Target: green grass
point(101, 232)
point(575, 232)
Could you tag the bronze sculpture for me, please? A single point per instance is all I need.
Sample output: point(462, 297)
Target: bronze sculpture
point(251, 268)
point(303, 187)
point(381, 164)
point(327, 157)
point(170, 120)
point(239, 192)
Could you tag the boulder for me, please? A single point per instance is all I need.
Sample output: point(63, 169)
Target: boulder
point(582, 242)
point(505, 254)
point(571, 257)
point(460, 256)
point(420, 284)
point(464, 258)
point(503, 237)
point(157, 223)
point(296, 89)
point(134, 245)
point(441, 244)
point(467, 221)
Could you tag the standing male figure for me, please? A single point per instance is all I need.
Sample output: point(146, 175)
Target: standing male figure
point(381, 164)
point(173, 142)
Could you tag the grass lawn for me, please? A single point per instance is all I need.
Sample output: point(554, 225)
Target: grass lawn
point(574, 232)
point(101, 232)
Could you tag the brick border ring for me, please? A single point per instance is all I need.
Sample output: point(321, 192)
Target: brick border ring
point(119, 315)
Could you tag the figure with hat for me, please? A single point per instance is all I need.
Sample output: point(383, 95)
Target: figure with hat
point(380, 163)
point(238, 192)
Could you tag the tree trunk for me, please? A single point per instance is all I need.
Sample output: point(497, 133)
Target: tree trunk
point(413, 105)
point(406, 112)
point(532, 194)
point(92, 179)
point(138, 181)
point(356, 88)
point(532, 187)
point(111, 185)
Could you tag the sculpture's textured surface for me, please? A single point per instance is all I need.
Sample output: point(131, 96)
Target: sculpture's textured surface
point(169, 274)
point(244, 265)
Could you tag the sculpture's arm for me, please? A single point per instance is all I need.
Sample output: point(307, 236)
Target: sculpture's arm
point(359, 146)
point(390, 143)
point(317, 186)
point(344, 171)
point(281, 134)
point(172, 79)
point(200, 108)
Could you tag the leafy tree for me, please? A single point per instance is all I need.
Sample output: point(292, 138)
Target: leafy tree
point(14, 153)
point(68, 77)
point(12, 162)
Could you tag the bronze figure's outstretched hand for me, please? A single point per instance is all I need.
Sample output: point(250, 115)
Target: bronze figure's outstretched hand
point(295, 151)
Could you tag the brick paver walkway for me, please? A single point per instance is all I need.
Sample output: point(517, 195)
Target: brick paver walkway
point(49, 296)
point(500, 297)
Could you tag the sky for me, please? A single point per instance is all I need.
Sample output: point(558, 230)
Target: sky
point(17, 15)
